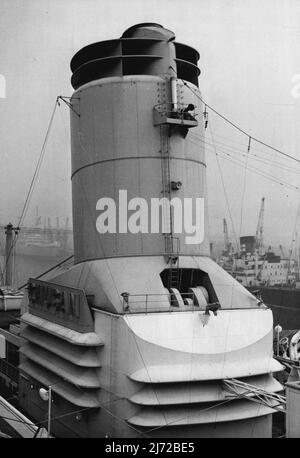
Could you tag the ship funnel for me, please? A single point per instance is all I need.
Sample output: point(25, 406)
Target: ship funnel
point(135, 127)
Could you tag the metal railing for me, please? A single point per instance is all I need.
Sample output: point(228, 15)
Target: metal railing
point(178, 111)
point(144, 303)
point(181, 302)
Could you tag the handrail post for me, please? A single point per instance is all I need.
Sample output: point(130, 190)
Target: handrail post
point(146, 303)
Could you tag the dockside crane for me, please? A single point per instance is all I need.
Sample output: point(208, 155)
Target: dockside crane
point(259, 235)
point(64, 235)
point(289, 272)
point(49, 231)
point(227, 244)
point(282, 252)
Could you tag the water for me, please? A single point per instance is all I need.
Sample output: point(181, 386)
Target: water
point(26, 267)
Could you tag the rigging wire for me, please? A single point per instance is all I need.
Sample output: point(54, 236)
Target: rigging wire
point(67, 102)
point(38, 166)
point(248, 151)
point(244, 188)
point(258, 172)
point(264, 153)
point(233, 228)
point(265, 174)
point(224, 188)
point(239, 128)
point(239, 151)
point(294, 239)
point(32, 186)
point(245, 133)
point(49, 270)
point(186, 417)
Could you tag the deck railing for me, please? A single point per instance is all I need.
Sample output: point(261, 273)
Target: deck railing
point(144, 303)
point(172, 302)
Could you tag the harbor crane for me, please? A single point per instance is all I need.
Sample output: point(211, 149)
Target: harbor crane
point(260, 226)
point(227, 243)
point(291, 251)
point(282, 252)
point(49, 230)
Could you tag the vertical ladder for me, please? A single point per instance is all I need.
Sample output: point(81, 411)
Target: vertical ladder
point(172, 254)
point(166, 186)
point(175, 274)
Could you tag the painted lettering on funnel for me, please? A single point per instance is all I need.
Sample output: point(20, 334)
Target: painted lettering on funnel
point(137, 216)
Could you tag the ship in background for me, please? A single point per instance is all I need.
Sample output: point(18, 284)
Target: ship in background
point(139, 336)
point(252, 264)
point(43, 240)
point(271, 276)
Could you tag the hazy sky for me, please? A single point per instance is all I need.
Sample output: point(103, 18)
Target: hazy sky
point(249, 55)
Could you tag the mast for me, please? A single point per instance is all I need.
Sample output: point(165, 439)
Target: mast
point(9, 250)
